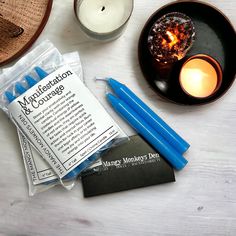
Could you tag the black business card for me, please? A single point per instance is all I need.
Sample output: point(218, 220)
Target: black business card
point(133, 164)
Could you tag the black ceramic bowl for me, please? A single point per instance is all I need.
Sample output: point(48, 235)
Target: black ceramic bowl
point(215, 36)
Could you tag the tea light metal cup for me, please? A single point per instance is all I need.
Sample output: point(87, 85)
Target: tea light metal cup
point(200, 76)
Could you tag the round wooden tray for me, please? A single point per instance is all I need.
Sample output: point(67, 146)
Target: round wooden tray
point(215, 36)
point(21, 22)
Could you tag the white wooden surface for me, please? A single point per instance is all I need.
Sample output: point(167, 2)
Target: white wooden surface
point(201, 202)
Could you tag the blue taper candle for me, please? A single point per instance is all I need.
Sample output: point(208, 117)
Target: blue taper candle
point(9, 96)
point(40, 72)
point(30, 81)
point(124, 93)
point(19, 88)
point(143, 128)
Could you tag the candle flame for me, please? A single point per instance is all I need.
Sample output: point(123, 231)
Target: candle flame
point(196, 76)
point(170, 40)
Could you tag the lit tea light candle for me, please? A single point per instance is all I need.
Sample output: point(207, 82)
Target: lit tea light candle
point(200, 76)
point(103, 19)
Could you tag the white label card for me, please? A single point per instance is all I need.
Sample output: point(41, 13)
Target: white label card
point(63, 120)
point(39, 170)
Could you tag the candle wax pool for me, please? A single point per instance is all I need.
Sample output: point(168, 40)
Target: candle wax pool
point(104, 16)
point(198, 78)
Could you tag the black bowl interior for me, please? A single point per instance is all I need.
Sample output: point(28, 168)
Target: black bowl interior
point(215, 36)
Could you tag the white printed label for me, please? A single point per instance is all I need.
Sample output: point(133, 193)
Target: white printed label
point(39, 170)
point(63, 120)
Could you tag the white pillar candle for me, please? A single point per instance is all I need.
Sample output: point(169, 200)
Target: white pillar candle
point(103, 19)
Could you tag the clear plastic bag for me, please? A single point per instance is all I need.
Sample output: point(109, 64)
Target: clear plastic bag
point(14, 84)
point(40, 175)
